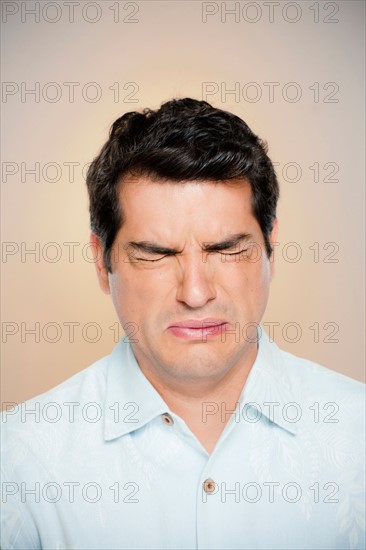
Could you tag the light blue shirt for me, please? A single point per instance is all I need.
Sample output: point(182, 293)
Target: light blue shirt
point(103, 463)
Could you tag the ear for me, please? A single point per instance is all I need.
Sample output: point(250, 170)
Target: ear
point(273, 241)
point(102, 271)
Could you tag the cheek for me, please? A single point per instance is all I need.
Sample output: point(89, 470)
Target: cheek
point(248, 282)
point(264, 273)
point(133, 290)
point(123, 294)
point(261, 281)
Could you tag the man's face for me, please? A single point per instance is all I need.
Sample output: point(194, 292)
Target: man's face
point(178, 259)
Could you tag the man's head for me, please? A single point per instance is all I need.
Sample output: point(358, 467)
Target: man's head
point(184, 140)
point(183, 216)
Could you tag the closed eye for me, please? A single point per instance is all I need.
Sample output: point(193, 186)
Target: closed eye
point(234, 253)
point(146, 260)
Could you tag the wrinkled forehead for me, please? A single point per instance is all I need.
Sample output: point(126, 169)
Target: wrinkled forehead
point(164, 208)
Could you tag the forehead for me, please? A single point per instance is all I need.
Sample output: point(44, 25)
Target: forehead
point(167, 207)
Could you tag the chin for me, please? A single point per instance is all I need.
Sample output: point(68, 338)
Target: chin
point(200, 360)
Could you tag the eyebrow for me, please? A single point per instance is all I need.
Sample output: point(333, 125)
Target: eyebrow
point(154, 248)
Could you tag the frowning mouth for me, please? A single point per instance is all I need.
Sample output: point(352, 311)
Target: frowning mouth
point(193, 329)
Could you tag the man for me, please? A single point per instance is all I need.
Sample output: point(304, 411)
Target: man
point(197, 431)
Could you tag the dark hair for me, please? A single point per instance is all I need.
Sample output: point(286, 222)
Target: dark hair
point(184, 140)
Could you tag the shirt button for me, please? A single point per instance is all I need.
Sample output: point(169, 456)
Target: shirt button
point(167, 419)
point(209, 486)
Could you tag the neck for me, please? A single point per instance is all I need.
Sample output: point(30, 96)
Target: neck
point(205, 405)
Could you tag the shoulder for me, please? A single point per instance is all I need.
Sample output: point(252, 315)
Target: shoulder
point(56, 416)
point(306, 378)
point(325, 397)
point(320, 380)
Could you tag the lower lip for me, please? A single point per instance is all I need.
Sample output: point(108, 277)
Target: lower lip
point(202, 334)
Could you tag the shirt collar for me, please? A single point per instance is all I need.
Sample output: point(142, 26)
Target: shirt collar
point(268, 388)
point(132, 401)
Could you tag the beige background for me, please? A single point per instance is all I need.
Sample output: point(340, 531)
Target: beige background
point(170, 52)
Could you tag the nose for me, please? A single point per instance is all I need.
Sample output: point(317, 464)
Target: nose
point(195, 284)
